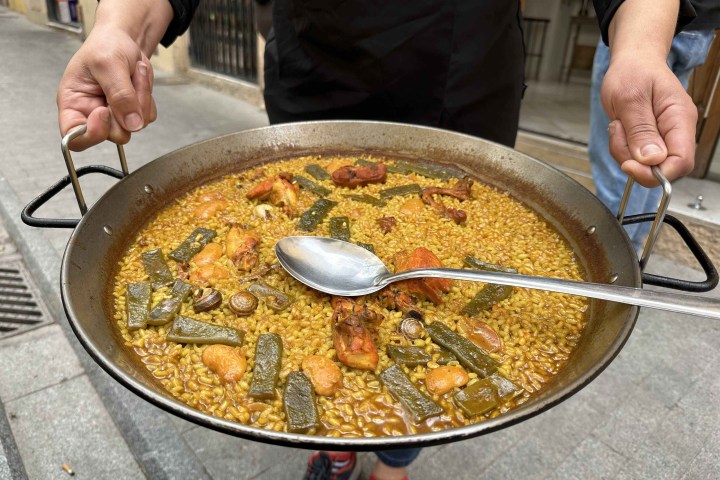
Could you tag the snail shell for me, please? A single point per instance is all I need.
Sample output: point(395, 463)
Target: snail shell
point(411, 328)
point(243, 303)
point(207, 299)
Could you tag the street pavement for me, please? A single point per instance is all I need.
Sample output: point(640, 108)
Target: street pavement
point(652, 414)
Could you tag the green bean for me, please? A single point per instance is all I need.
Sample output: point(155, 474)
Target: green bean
point(314, 216)
point(478, 398)
point(268, 356)
point(469, 354)
point(410, 356)
point(317, 172)
point(428, 170)
point(410, 189)
point(488, 296)
point(505, 387)
point(413, 400)
point(473, 262)
point(340, 228)
point(137, 301)
point(156, 268)
point(365, 198)
point(192, 244)
point(189, 330)
point(311, 186)
point(299, 403)
point(166, 309)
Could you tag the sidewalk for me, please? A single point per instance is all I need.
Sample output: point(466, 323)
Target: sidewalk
point(652, 414)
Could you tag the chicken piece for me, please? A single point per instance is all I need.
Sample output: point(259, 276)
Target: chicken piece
point(228, 362)
point(353, 176)
point(240, 248)
point(208, 272)
point(209, 254)
point(353, 341)
point(324, 374)
point(461, 190)
point(354, 345)
point(210, 208)
point(429, 288)
point(280, 191)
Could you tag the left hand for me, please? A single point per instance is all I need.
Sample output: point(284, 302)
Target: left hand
point(653, 118)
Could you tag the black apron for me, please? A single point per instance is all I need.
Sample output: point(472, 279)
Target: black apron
point(454, 64)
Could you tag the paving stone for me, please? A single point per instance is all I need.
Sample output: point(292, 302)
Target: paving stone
point(461, 459)
point(67, 423)
point(631, 421)
point(36, 360)
point(228, 457)
point(592, 459)
point(705, 465)
point(11, 464)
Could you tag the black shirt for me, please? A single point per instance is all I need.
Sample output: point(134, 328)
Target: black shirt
point(707, 11)
point(693, 14)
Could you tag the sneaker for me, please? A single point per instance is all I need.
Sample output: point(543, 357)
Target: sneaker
point(332, 466)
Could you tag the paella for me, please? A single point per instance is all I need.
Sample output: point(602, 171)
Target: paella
point(200, 299)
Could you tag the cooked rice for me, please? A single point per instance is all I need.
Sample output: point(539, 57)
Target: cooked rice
point(538, 329)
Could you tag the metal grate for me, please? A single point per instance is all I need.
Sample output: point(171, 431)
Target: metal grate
point(20, 307)
point(223, 39)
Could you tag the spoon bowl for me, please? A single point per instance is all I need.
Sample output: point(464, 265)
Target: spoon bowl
point(342, 268)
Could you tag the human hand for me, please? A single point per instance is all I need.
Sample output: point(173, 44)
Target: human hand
point(108, 86)
point(653, 118)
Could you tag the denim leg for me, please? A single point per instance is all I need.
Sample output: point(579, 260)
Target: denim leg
point(398, 458)
point(689, 49)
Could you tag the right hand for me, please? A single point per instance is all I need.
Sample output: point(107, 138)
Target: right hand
point(108, 86)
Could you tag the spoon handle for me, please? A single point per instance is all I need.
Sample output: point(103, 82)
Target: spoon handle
point(674, 302)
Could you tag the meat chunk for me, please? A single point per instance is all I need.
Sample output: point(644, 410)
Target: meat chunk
point(324, 374)
point(461, 191)
point(209, 254)
point(429, 288)
point(240, 248)
point(353, 341)
point(228, 362)
point(387, 224)
point(280, 191)
point(353, 176)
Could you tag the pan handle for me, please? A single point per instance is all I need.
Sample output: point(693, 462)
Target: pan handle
point(658, 217)
point(706, 264)
point(71, 178)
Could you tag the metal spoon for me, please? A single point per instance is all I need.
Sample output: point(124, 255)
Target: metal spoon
point(342, 268)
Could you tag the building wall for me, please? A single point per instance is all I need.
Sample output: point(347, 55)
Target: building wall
point(36, 11)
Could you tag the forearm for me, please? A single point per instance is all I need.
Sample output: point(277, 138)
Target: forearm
point(643, 29)
point(145, 21)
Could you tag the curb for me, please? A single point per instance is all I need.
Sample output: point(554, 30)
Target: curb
point(148, 431)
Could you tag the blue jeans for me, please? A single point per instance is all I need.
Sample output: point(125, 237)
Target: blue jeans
point(398, 458)
point(689, 50)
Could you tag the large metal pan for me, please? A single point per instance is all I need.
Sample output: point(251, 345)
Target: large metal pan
point(104, 232)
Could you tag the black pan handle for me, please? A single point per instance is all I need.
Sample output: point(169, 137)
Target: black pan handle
point(43, 198)
point(72, 178)
point(706, 264)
